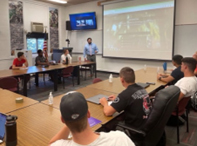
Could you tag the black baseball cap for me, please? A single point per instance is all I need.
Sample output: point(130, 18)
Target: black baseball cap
point(73, 106)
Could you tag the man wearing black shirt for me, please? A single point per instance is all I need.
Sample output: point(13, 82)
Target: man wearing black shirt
point(176, 74)
point(134, 100)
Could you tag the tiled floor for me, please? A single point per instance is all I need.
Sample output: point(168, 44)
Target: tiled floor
point(41, 93)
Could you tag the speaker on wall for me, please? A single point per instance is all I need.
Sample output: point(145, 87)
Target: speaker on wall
point(68, 26)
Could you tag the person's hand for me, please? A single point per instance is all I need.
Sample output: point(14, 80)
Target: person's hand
point(96, 52)
point(103, 101)
point(85, 59)
point(111, 97)
point(158, 76)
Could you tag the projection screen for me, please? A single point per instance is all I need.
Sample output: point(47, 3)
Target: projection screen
point(141, 29)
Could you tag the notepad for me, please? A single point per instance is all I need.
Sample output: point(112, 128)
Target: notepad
point(93, 121)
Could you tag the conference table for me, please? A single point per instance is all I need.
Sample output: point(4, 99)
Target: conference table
point(96, 111)
point(8, 103)
point(41, 69)
point(38, 122)
point(142, 76)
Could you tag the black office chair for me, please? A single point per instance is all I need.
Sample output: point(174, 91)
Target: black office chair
point(153, 133)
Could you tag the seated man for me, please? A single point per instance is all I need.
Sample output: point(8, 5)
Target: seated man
point(134, 100)
point(188, 84)
point(176, 73)
point(40, 59)
point(75, 114)
point(66, 54)
point(20, 62)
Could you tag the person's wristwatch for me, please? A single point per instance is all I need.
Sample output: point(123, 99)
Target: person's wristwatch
point(160, 78)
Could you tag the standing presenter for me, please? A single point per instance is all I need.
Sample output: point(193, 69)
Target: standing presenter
point(89, 54)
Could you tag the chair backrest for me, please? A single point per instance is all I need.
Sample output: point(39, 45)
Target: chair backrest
point(9, 83)
point(67, 70)
point(182, 106)
point(163, 105)
point(96, 80)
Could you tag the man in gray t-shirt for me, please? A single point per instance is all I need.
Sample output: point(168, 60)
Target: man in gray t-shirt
point(40, 59)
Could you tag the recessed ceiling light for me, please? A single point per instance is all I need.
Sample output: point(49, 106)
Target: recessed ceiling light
point(59, 1)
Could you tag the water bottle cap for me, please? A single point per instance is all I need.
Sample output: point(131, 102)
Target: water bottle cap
point(11, 118)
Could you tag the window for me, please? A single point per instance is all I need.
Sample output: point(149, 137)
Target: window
point(34, 44)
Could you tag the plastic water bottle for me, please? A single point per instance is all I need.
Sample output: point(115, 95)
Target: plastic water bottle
point(110, 78)
point(50, 98)
point(145, 67)
point(158, 69)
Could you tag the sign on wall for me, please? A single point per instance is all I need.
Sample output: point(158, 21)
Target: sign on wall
point(53, 23)
point(16, 25)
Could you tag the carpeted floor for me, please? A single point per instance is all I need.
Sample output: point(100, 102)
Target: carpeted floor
point(41, 93)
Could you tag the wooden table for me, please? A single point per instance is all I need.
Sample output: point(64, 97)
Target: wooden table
point(37, 124)
point(150, 75)
point(8, 104)
point(38, 69)
point(96, 111)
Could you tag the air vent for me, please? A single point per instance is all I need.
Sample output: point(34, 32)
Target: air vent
point(37, 27)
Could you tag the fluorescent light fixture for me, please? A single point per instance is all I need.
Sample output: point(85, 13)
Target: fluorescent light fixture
point(59, 1)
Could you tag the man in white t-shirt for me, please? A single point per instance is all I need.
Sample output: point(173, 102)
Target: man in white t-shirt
point(188, 84)
point(66, 54)
point(75, 114)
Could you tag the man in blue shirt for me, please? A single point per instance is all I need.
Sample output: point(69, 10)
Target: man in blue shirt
point(89, 53)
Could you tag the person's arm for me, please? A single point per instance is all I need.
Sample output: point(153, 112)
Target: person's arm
point(167, 79)
point(41, 63)
point(181, 96)
point(62, 134)
point(108, 110)
point(26, 62)
point(96, 49)
point(69, 57)
point(15, 67)
point(63, 59)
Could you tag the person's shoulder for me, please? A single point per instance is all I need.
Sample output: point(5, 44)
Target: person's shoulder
point(15, 59)
point(118, 137)
point(61, 143)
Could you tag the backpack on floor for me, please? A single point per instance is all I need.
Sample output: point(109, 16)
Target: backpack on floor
point(194, 101)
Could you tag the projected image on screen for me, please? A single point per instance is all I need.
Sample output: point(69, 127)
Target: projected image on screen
point(139, 31)
point(84, 21)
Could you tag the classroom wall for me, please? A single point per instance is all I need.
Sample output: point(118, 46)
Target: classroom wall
point(185, 35)
point(185, 32)
point(34, 11)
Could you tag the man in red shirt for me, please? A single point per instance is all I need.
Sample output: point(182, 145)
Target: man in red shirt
point(20, 62)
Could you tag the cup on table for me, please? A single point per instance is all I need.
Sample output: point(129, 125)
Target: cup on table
point(79, 59)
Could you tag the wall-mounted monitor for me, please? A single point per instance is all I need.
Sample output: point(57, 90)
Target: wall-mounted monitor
point(83, 21)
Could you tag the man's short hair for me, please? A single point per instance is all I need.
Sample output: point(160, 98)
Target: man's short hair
point(190, 63)
point(39, 51)
point(20, 54)
point(65, 50)
point(74, 109)
point(127, 74)
point(177, 59)
point(89, 38)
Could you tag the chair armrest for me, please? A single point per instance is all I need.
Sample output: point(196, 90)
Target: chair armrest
point(132, 131)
